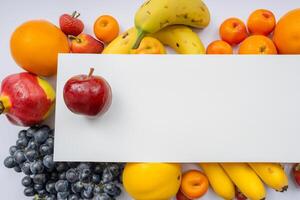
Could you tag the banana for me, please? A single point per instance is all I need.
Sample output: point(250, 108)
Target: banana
point(246, 180)
point(181, 38)
point(272, 174)
point(219, 180)
point(123, 43)
point(154, 15)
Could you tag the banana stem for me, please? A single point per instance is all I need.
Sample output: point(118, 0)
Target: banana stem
point(140, 36)
point(2, 108)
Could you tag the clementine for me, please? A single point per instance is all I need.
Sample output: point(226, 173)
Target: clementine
point(261, 22)
point(233, 31)
point(106, 28)
point(287, 33)
point(219, 47)
point(257, 44)
point(35, 45)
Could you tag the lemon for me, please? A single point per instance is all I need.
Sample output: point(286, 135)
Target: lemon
point(152, 181)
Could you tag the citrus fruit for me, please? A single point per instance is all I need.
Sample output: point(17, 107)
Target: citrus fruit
point(106, 28)
point(152, 181)
point(287, 33)
point(219, 47)
point(233, 31)
point(257, 44)
point(35, 46)
point(261, 22)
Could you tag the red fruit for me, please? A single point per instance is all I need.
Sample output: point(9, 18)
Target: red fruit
point(26, 99)
point(70, 24)
point(296, 173)
point(239, 195)
point(85, 43)
point(181, 196)
point(87, 94)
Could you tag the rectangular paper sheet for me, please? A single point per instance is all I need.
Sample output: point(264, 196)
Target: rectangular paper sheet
point(184, 108)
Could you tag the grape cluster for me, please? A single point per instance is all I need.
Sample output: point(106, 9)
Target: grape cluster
point(49, 180)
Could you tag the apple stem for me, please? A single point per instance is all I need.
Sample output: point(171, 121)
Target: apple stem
point(91, 72)
point(72, 37)
point(2, 108)
point(75, 14)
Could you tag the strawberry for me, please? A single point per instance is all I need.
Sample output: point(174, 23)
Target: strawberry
point(239, 195)
point(70, 24)
point(296, 173)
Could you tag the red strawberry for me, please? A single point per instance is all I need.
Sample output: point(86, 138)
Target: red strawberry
point(70, 24)
point(239, 195)
point(296, 173)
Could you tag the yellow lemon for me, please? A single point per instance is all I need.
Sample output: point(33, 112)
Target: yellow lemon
point(152, 181)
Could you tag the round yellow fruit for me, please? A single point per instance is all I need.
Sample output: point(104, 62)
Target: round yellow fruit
point(152, 181)
point(35, 46)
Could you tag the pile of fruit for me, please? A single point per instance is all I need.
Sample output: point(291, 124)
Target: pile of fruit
point(27, 99)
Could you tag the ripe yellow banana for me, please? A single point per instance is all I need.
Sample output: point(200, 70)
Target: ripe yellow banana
point(123, 43)
point(246, 180)
point(181, 38)
point(219, 180)
point(154, 15)
point(272, 174)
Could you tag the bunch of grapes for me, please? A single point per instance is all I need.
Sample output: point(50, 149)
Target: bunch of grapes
point(49, 180)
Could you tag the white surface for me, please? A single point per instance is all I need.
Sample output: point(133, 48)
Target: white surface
point(14, 12)
point(163, 104)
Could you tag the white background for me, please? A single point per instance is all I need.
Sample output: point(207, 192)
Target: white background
point(13, 12)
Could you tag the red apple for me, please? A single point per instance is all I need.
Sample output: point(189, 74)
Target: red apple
point(85, 43)
point(26, 99)
point(87, 94)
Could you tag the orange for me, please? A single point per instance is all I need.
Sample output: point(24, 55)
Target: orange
point(106, 28)
point(149, 45)
point(257, 44)
point(219, 47)
point(287, 33)
point(35, 45)
point(194, 184)
point(261, 22)
point(233, 31)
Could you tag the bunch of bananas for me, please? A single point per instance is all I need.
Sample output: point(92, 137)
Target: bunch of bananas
point(248, 178)
point(169, 21)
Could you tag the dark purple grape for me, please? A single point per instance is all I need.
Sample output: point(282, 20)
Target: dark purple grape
point(37, 167)
point(62, 176)
point(22, 134)
point(27, 181)
point(62, 195)
point(19, 157)
point(9, 162)
point(85, 175)
point(31, 131)
point(38, 187)
point(12, 150)
point(41, 135)
point(73, 164)
point(112, 189)
point(45, 150)
point(96, 178)
point(97, 190)
point(114, 169)
point(31, 155)
point(50, 187)
point(72, 175)
point(50, 197)
point(25, 167)
point(98, 168)
point(83, 166)
point(87, 193)
point(103, 196)
point(32, 145)
point(22, 142)
point(61, 166)
point(29, 192)
point(42, 193)
point(17, 169)
point(77, 187)
point(48, 162)
point(73, 197)
point(62, 186)
point(39, 178)
point(107, 176)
